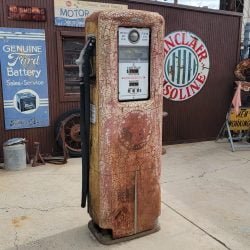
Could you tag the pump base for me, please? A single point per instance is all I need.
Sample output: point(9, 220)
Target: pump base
point(105, 238)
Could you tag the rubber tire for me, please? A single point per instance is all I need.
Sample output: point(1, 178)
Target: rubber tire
point(58, 122)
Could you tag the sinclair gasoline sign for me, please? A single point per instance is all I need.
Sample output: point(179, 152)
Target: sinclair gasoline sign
point(186, 65)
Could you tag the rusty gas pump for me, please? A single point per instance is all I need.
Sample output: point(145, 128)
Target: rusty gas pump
point(121, 122)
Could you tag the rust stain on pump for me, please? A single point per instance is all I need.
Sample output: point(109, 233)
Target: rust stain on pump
point(135, 130)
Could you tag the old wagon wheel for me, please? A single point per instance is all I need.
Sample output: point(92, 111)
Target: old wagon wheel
point(71, 122)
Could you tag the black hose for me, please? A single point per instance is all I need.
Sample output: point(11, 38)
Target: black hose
point(85, 117)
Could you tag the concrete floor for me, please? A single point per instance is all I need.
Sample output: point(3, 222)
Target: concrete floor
point(205, 204)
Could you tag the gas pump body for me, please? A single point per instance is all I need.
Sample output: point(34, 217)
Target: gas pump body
point(126, 116)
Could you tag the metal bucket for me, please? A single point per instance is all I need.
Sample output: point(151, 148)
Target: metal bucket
point(14, 157)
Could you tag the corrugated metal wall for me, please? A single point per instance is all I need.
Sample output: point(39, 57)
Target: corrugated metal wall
point(201, 117)
point(196, 119)
point(44, 135)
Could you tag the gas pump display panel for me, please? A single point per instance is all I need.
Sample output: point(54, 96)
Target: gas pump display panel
point(133, 63)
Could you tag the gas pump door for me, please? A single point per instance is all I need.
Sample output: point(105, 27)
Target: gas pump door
point(133, 54)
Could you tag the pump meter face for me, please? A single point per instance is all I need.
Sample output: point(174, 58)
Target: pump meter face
point(133, 63)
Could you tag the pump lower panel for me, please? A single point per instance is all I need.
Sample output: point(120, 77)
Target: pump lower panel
point(105, 236)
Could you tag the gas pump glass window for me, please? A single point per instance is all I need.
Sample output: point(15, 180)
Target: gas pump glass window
point(133, 64)
point(72, 47)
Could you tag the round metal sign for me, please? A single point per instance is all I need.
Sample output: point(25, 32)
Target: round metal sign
point(186, 65)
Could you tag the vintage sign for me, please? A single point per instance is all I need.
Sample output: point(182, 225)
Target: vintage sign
point(73, 12)
point(24, 78)
point(24, 13)
point(240, 121)
point(186, 65)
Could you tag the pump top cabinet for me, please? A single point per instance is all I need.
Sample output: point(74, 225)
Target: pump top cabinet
point(125, 134)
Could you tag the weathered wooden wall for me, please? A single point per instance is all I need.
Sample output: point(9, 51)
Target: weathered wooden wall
point(196, 119)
